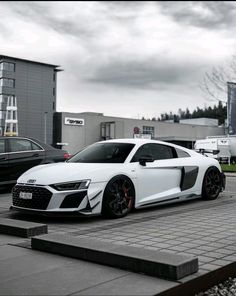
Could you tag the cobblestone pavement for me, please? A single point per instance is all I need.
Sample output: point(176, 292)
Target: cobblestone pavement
point(206, 229)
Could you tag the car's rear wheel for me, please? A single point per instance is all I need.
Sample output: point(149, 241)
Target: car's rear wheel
point(118, 198)
point(212, 184)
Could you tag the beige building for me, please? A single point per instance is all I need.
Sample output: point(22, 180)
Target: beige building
point(79, 130)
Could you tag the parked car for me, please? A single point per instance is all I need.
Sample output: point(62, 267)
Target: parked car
point(19, 154)
point(112, 177)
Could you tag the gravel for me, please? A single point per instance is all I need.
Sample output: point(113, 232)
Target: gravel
point(227, 288)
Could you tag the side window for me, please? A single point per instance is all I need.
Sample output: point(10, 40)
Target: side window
point(2, 146)
point(35, 146)
point(160, 151)
point(144, 150)
point(17, 145)
point(181, 153)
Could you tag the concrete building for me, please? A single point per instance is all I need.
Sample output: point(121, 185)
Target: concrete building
point(81, 129)
point(34, 85)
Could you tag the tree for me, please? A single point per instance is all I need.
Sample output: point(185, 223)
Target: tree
point(214, 84)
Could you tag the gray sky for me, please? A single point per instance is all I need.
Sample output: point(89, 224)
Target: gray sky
point(127, 59)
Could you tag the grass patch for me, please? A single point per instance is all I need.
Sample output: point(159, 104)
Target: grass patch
point(228, 168)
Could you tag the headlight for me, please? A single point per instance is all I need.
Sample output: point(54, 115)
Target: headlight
point(77, 185)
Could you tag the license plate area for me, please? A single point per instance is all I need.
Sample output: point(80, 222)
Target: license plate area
point(25, 195)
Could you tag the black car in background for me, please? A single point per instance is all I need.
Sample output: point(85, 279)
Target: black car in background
point(18, 154)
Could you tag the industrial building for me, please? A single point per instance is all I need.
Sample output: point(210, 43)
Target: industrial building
point(74, 131)
point(34, 86)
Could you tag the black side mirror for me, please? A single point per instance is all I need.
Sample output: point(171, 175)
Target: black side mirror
point(144, 159)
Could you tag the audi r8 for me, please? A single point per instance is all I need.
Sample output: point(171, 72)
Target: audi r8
point(113, 177)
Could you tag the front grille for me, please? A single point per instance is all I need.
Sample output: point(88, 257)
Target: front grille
point(40, 197)
point(73, 200)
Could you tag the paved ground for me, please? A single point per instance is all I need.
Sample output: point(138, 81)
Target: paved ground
point(206, 229)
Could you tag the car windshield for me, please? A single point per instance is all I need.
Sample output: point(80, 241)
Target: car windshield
point(103, 153)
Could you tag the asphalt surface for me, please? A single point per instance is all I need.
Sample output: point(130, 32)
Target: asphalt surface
point(205, 229)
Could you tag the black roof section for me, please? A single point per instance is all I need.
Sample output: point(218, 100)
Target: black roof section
point(30, 61)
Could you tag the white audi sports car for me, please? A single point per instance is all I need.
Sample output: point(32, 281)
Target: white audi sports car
point(112, 177)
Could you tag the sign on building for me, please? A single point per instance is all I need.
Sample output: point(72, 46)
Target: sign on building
point(231, 107)
point(74, 121)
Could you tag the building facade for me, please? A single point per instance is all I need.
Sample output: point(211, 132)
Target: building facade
point(79, 130)
point(34, 86)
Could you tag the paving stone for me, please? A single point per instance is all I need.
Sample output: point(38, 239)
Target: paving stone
point(125, 286)
point(210, 266)
point(154, 263)
point(215, 255)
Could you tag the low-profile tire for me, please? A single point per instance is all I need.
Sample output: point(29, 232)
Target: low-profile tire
point(118, 198)
point(212, 184)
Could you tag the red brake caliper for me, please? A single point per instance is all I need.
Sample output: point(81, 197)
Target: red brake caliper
point(128, 199)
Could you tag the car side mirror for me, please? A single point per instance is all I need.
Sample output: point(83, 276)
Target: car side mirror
point(144, 159)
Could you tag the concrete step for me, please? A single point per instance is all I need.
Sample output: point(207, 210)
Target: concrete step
point(21, 228)
point(154, 263)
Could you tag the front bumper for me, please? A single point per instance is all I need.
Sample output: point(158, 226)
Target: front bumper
point(45, 200)
point(72, 213)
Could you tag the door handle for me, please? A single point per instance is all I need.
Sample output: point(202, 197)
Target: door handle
point(35, 155)
point(3, 158)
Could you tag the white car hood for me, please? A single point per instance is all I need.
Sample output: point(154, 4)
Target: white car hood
point(65, 172)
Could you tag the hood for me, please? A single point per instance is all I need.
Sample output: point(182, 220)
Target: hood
point(65, 172)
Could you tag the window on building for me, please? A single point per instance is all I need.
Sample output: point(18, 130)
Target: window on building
point(2, 115)
point(8, 82)
point(54, 76)
point(4, 98)
point(5, 66)
point(149, 130)
point(2, 145)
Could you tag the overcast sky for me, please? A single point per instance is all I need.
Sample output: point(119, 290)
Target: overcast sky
point(128, 59)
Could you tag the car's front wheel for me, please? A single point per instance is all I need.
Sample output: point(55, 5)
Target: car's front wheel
point(118, 198)
point(212, 184)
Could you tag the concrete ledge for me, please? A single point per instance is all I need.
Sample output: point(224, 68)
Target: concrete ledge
point(202, 282)
point(154, 263)
point(21, 228)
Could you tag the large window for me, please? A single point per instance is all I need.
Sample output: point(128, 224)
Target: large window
point(8, 82)
point(7, 66)
point(104, 153)
point(149, 130)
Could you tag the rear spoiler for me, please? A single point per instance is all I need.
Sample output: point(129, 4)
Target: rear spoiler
point(203, 151)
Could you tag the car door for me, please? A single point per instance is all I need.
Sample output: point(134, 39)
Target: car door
point(4, 170)
point(160, 179)
point(23, 155)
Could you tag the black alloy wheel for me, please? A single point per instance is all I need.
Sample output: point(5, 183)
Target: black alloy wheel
point(212, 183)
point(118, 199)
